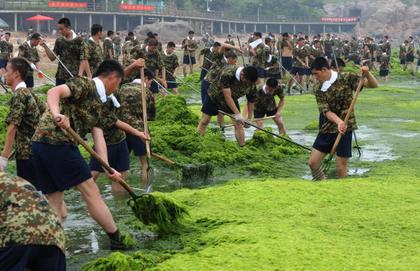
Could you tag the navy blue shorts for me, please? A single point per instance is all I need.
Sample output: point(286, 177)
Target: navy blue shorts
point(212, 109)
point(383, 73)
point(26, 169)
point(204, 87)
point(261, 113)
point(186, 60)
point(203, 74)
point(409, 59)
point(402, 61)
point(287, 62)
point(154, 87)
point(298, 70)
point(32, 257)
point(3, 63)
point(325, 142)
point(136, 145)
point(308, 71)
point(29, 81)
point(262, 73)
point(58, 167)
point(59, 82)
point(118, 158)
point(172, 85)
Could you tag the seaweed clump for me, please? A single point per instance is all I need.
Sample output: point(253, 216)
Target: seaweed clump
point(174, 108)
point(118, 261)
point(157, 209)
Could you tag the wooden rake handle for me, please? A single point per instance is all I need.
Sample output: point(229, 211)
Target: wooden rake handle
point(349, 111)
point(144, 109)
point(164, 159)
point(76, 137)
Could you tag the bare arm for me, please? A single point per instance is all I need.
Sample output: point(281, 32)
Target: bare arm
point(250, 107)
point(371, 81)
point(229, 101)
point(50, 55)
point(280, 105)
point(100, 144)
point(130, 130)
point(9, 141)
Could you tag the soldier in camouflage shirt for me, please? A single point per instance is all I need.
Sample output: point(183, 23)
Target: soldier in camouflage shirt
point(265, 104)
point(171, 63)
point(109, 45)
point(96, 55)
point(22, 119)
point(31, 235)
point(130, 97)
point(28, 51)
point(130, 43)
point(117, 46)
point(73, 52)
point(230, 40)
point(6, 51)
point(300, 68)
point(154, 62)
point(59, 164)
point(232, 83)
point(189, 45)
point(334, 94)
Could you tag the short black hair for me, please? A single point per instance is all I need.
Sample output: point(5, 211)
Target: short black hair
point(340, 63)
point(258, 34)
point(231, 54)
point(65, 21)
point(109, 66)
point(171, 44)
point(216, 44)
point(272, 82)
point(95, 29)
point(285, 35)
point(150, 35)
point(8, 33)
point(21, 66)
point(267, 40)
point(320, 63)
point(110, 33)
point(153, 42)
point(130, 33)
point(35, 36)
point(190, 32)
point(250, 73)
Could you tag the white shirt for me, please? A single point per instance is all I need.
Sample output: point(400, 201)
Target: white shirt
point(100, 88)
point(238, 73)
point(20, 85)
point(255, 43)
point(327, 84)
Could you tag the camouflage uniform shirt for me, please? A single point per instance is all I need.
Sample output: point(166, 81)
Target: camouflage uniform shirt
point(228, 79)
point(153, 60)
point(29, 52)
point(70, 52)
point(210, 57)
point(192, 44)
point(171, 63)
point(25, 112)
point(6, 50)
point(130, 98)
point(301, 53)
point(262, 53)
point(108, 45)
point(126, 50)
point(337, 99)
point(26, 218)
point(84, 108)
point(96, 55)
point(265, 100)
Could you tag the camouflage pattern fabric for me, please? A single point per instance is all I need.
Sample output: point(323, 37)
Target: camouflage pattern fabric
point(6, 49)
point(215, 69)
point(25, 112)
point(117, 46)
point(126, 50)
point(171, 63)
point(112, 134)
point(28, 52)
point(192, 44)
point(83, 107)
point(385, 60)
point(153, 60)
point(231, 42)
point(108, 46)
point(96, 55)
point(301, 53)
point(70, 52)
point(266, 101)
point(227, 79)
point(129, 95)
point(262, 53)
point(210, 58)
point(26, 218)
point(337, 99)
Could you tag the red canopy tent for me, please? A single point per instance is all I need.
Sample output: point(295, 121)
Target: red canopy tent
point(38, 18)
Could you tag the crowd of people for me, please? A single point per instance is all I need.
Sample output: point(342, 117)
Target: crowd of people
point(98, 91)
